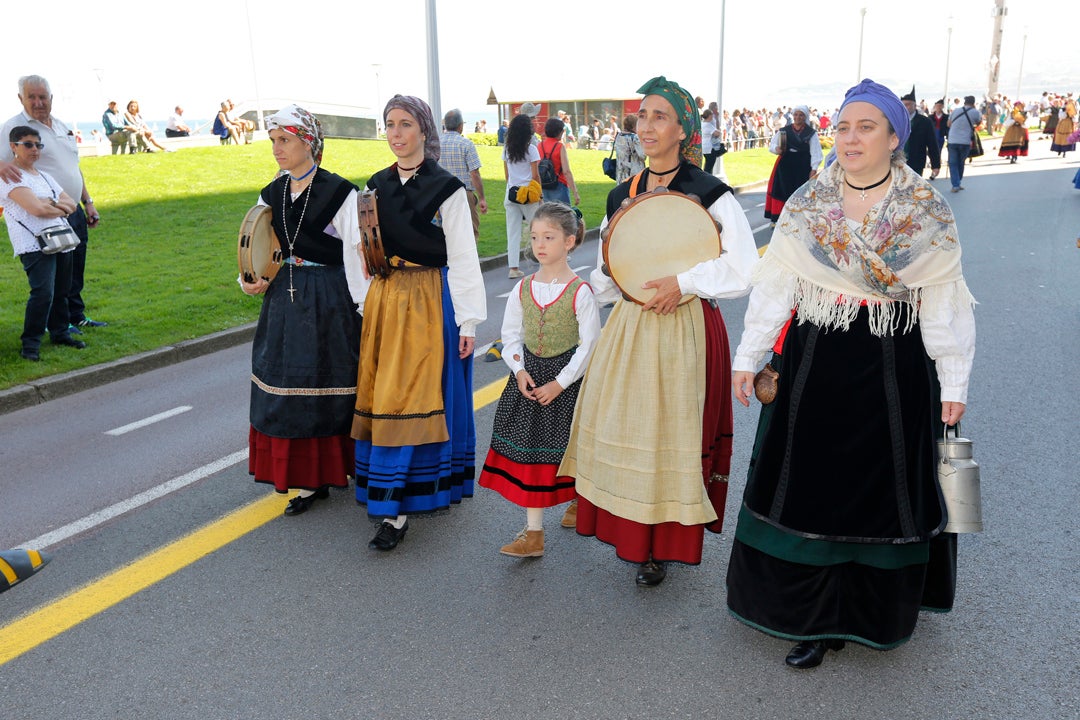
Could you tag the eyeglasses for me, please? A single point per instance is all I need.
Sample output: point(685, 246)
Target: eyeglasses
point(30, 145)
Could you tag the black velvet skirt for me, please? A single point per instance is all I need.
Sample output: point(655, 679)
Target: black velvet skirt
point(305, 354)
point(839, 534)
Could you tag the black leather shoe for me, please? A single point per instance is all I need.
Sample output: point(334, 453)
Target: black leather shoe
point(300, 505)
point(810, 653)
point(29, 354)
point(388, 536)
point(650, 573)
point(69, 341)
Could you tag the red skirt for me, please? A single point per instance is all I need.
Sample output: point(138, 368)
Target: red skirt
point(529, 485)
point(671, 541)
point(300, 463)
point(773, 206)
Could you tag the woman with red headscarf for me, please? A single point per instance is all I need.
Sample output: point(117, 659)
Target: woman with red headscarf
point(306, 346)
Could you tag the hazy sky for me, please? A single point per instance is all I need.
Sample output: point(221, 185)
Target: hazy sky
point(780, 51)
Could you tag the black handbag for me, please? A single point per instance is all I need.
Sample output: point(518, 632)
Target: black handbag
point(609, 164)
point(976, 141)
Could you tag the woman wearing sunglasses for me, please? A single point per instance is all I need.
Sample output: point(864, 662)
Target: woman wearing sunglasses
point(32, 203)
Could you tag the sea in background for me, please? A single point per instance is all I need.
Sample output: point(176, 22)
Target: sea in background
point(202, 126)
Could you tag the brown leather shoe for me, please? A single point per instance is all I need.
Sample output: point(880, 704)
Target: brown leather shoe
point(569, 518)
point(527, 543)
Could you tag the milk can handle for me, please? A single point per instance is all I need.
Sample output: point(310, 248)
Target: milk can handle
point(945, 441)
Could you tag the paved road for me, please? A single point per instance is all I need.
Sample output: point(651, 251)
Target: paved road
point(296, 618)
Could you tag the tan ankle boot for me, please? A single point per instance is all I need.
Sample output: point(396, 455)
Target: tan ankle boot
point(569, 518)
point(528, 543)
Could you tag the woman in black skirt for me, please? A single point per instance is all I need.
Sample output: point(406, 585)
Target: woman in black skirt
point(840, 534)
point(307, 343)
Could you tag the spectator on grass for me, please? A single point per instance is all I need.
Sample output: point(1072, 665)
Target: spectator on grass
point(120, 136)
point(552, 147)
point(243, 127)
point(176, 126)
point(224, 128)
point(143, 135)
point(629, 155)
point(59, 158)
point(460, 159)
point(32, 204)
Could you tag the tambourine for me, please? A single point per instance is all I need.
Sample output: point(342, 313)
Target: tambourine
point(258, 250)
point(657, 234)
point(370, 236)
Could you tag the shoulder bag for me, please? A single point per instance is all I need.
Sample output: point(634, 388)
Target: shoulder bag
point(609, 163)
point(976, 141)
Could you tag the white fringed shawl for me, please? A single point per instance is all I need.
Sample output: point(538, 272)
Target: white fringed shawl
point(907, 244)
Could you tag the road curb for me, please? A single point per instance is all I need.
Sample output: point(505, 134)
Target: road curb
point(48, 388)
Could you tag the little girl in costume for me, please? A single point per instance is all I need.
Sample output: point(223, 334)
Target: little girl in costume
point(549, 331)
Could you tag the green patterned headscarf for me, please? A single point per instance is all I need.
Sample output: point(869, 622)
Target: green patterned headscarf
point(685, 109)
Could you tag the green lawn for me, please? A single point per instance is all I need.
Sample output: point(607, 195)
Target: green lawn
point(162, 265)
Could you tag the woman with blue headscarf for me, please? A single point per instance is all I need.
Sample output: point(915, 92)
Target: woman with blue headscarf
point(413, 421)
point(862, 297)
point(651, 482)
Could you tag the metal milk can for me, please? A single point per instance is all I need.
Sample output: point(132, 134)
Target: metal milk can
point(958, 474)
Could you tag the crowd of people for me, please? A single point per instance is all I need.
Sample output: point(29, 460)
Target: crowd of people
point(127, 132)
point(363, 353)
point(394, 328)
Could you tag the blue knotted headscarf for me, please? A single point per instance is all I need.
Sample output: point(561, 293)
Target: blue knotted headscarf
point(884, 100)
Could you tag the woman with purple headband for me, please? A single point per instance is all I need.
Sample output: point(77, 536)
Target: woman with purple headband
point(840, 534)
point(413, 420)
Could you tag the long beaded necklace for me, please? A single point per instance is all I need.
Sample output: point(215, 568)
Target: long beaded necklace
point(291, 242)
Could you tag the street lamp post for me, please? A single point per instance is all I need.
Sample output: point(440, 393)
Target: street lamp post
point(862, 24)
point(1020, 76)
point(948, 56)
point(434, 86)
point(254, 72)
point(720, 82)
point(378, 98)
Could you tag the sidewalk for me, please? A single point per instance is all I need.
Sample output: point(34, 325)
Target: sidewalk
point(48, 388)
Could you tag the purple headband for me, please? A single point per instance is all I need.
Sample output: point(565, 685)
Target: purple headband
point(884, 100)
point(419, 110)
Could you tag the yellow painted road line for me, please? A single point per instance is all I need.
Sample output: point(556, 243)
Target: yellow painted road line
point(47, 622)
point(489, 393)
point(38, 626)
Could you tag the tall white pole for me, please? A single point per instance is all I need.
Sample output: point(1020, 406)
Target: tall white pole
point(254, 75)
point(434, 88)
point(862, 24)
point(948, 56)
point(999, 12)
point(720, 81)
point(1020, 75)
point(378, 99)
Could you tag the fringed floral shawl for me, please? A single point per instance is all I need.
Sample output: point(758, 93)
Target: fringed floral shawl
point(905, 247)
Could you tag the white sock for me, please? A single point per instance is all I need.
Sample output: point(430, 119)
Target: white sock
point(306, 493)
point(398, 522)
point(534, 518)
